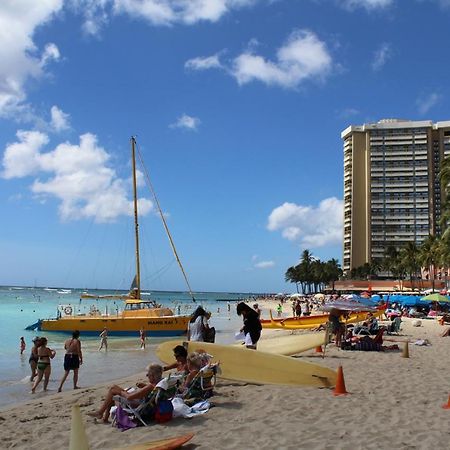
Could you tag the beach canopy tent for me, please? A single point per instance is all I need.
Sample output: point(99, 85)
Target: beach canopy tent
point(436, 298)
point(406, 300)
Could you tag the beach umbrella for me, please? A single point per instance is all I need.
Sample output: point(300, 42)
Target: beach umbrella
point(436, 298)
point(296, 295)
point(319, 296)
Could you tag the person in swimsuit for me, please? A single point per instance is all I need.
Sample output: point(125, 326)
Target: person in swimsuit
point(142, 338)
point(43, 365)
point(336, 327)
point(33, 360)
point(72, 359)
point(103, 339)
point(22, 345)
point(180, 364)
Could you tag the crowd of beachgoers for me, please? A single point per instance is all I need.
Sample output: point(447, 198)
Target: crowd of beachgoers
point(188, 387)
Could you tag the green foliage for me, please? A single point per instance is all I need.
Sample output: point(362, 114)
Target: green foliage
point(313, 274)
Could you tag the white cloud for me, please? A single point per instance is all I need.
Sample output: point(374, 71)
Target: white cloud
point(59, 119)
point(349, 112)
point(22, 158)
point(381, 56)
point(203, 63)
point(426, 102)
point(303, 56)
point(367, 4)
point(264, 264)
point(78, 175)
point(186, 122)
point(313, 226)
point(156, 12)
point(20, 59)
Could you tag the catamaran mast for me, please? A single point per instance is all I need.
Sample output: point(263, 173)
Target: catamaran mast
point(136, 224)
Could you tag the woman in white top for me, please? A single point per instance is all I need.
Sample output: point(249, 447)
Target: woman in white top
point(197, 324)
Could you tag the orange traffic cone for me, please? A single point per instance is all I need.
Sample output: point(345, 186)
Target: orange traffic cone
point(447, 405)
point(318, 349)
point(340, 383)
point(405, 353)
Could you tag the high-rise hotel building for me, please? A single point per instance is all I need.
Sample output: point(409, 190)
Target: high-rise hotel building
point(392, 192)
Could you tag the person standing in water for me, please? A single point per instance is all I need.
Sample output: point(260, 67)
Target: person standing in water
point(104, 339)
point(43, 366)
point(72, 359)
point(33, 359)
point(142, 337)
point(23, 345)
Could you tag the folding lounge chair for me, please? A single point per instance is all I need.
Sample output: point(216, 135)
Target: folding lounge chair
point(395, 326)
point(204, 381)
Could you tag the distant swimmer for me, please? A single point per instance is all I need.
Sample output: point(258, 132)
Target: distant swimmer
point(22, 345)
point(104, 339)
point(142, 338)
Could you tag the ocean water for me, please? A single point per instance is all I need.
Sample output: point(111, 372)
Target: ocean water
point(20, 307)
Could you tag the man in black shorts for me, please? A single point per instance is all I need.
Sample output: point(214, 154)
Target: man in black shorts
point(72, 359)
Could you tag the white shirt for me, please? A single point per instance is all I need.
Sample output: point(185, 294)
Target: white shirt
point(196, 329)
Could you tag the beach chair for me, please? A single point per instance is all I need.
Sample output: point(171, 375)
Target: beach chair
point(166, 388)
point(203, 384)
point(395, 326)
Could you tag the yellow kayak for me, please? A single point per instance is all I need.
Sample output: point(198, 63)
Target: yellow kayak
point(306, 323)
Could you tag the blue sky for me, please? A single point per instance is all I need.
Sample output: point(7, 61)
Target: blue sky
point(237, 106)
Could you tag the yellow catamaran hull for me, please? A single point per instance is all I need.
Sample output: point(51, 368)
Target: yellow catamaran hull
point(118, 326)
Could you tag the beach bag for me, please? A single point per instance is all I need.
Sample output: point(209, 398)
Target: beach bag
point(123, 421)
point(209, 334)
point(163, 411)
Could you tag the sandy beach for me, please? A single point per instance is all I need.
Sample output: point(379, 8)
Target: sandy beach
point(394, 402)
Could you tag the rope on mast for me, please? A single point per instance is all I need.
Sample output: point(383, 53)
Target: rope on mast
point(172, 244)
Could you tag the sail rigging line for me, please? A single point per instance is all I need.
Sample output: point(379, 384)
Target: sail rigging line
point(172, 244)
point(159, 272)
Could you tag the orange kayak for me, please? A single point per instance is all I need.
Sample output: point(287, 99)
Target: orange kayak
point(162, 444)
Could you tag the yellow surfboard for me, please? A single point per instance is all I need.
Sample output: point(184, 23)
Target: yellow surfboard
point(281, 345)
point(242, 364)
point(292, 344)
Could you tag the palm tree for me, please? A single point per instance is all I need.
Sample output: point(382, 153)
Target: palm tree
point(430, 256)
point(390, 259)
point(291, 276)
point(409, 257)
point(333, 270)
point(305, 268)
